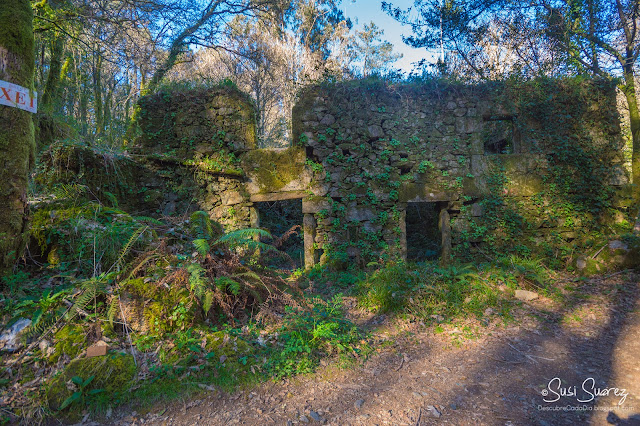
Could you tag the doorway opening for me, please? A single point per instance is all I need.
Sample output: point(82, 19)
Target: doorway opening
point(424, 238)
point(283, 219)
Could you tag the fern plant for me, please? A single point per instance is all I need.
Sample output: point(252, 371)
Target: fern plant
point(246, 238)
point(217, 276)
point(91, 290)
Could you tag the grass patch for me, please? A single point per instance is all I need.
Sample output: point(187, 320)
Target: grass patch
point(428, 291)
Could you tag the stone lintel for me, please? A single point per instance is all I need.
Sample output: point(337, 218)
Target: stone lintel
point(277, 196)
point(314, 206)
point(417, 192)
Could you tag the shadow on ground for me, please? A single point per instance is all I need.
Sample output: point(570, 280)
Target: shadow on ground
point(420, 377)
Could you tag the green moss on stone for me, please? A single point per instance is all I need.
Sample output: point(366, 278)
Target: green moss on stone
point(231, 346)
point(174, 122)
point(159, 304)
point(592, 267)
point(273, 169)
point(68, 340)
point(114, 374)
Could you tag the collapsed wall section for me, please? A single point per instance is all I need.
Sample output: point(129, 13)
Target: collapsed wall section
point(198, 152)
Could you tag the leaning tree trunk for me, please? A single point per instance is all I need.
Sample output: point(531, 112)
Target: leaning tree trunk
point(17, 59)
point(177, 47)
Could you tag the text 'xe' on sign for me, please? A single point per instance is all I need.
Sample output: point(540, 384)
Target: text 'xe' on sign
point(18, 97)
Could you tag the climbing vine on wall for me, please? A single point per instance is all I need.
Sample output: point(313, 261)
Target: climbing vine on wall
point(572, 126)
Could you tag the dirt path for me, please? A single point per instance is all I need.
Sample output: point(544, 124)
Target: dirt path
point(424, 377)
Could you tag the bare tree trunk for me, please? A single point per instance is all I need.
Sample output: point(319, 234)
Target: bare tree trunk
point(97, 94)
point(17, 144)
point(44, 121)
point(108, 111)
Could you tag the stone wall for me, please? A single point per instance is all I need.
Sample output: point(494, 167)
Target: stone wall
point(375, 147)
point(518, 167)
point(197, 149)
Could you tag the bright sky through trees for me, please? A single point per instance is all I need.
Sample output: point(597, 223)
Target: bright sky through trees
point(365, 11)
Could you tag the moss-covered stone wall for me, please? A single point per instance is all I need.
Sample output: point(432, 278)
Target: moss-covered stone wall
point(521, 167)
point(199, 146)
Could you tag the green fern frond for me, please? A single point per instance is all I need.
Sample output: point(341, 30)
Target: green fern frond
point(114, 308)
point(91, 290)
point(36, 329)
point(226, 283)
point(111, 198)
point(249, 276)
point(129, 245)
point(245, 238)
point(207, 303)
point(69, 191)
point(197, 280)
point(147, 219)
point(36, 317)
point(243, 234)
point(201, 225)
point(202, 246)
point(139, 266)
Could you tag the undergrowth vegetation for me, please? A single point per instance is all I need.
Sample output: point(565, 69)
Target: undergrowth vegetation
point(182, 305)
point(185, 306)
point(429, 291)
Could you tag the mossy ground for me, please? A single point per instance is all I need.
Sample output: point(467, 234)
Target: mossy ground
point(113, 373)
point(70, 341)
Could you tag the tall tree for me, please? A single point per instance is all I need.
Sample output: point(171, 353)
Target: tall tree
point(17, 59)
point(204, 29)
point(270, 56)
point(372, 53)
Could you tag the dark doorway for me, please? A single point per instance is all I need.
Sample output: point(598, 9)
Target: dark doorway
point(424, 239)
point(283, 219)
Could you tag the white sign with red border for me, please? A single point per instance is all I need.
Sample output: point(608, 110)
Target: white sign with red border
point(18, 97)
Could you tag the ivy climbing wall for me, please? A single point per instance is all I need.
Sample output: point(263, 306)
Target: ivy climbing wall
point(514, 167)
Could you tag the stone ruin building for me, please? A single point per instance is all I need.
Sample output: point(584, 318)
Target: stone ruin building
point(373, 164)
